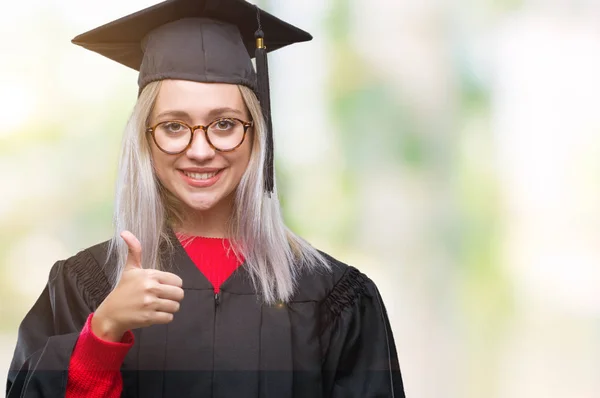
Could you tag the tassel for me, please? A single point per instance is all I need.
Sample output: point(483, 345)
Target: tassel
point(264, 96)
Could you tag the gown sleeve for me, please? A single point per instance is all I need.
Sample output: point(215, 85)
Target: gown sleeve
point(49, 331)
point(360, 358)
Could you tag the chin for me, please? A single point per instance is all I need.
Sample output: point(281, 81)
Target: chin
point(201, 204)
point(203, 201)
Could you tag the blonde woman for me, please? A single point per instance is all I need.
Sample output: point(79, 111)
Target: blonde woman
point(203, 291)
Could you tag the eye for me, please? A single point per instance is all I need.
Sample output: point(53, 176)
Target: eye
point(224, 124)
point(173, 127)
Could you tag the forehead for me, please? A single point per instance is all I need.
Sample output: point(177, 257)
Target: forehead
point(197, 99)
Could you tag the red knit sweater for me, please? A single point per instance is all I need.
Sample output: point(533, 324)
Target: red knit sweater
point(94, 370)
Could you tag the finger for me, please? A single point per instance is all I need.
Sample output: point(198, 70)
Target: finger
point(170, 306)
point(170, 292)
point(134, 256)
point(161, 317)
point(167, 278)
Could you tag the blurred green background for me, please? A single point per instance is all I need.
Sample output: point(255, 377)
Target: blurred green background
point(450, 150)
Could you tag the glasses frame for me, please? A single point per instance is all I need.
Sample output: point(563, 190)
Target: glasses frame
point(193, 129)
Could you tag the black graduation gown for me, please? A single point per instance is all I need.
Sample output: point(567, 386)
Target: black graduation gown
point(333, 339)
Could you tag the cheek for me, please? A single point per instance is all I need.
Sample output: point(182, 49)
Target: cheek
point(243, 159)
point(160, 163)
point(248, 145)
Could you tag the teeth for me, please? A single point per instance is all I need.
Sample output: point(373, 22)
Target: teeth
point(200, 176)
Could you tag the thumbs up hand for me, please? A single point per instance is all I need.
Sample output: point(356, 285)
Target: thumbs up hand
point(143, 297)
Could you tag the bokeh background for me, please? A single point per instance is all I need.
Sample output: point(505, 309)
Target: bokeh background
point(449, 149)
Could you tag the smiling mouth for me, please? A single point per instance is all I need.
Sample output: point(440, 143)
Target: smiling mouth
point(201, 176)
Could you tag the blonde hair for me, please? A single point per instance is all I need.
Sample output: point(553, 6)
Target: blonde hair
point(273, 254)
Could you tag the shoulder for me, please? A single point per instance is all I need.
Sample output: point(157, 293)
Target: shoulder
point(335, 288)
point(88, 272)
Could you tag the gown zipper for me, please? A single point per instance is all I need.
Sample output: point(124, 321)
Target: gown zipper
point(217, 299)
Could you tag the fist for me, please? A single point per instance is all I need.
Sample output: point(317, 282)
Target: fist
point(143, 297)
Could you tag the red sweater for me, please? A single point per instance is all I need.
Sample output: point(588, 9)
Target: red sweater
point(94, 370)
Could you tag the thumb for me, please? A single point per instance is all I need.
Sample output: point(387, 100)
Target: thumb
point(134, 256)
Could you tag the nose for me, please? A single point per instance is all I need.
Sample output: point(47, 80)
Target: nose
point(200, 149)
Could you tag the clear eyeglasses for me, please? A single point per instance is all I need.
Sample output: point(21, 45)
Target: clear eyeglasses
point(223, 134)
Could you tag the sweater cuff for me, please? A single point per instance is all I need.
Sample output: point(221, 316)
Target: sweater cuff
point(95, 354)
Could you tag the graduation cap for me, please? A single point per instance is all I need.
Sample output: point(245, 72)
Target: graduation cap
point(210, 41)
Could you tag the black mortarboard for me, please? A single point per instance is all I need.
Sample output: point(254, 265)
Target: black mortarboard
point(209, 41)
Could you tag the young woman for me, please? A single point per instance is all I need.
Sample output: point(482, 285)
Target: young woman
point(203, 291)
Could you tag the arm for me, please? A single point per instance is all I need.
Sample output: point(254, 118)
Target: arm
point(360, 352)
point(76, 288)
point(94, 369)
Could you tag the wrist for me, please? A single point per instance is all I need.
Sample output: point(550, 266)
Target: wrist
point(106, 329)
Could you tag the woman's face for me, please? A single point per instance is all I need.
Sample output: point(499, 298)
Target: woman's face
point(190, 175)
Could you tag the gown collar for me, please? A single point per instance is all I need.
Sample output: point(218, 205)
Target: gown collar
point(179, 263)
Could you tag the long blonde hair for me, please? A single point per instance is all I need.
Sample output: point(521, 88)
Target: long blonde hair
point(273, 254)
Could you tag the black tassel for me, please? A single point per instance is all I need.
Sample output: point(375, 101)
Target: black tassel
point(264, 96)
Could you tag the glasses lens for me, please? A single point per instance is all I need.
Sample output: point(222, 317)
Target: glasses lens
point(172, 136)
point(226, 134)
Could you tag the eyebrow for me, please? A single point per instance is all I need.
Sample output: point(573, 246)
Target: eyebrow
point(178, 114)
point(225, 110)
point(213, 113)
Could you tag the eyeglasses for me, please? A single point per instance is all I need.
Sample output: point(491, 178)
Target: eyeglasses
point(223, 135)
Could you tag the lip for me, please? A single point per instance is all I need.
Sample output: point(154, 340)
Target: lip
point(200, 183)
point(201, 169)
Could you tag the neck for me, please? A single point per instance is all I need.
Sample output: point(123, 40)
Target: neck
point(212, 223)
